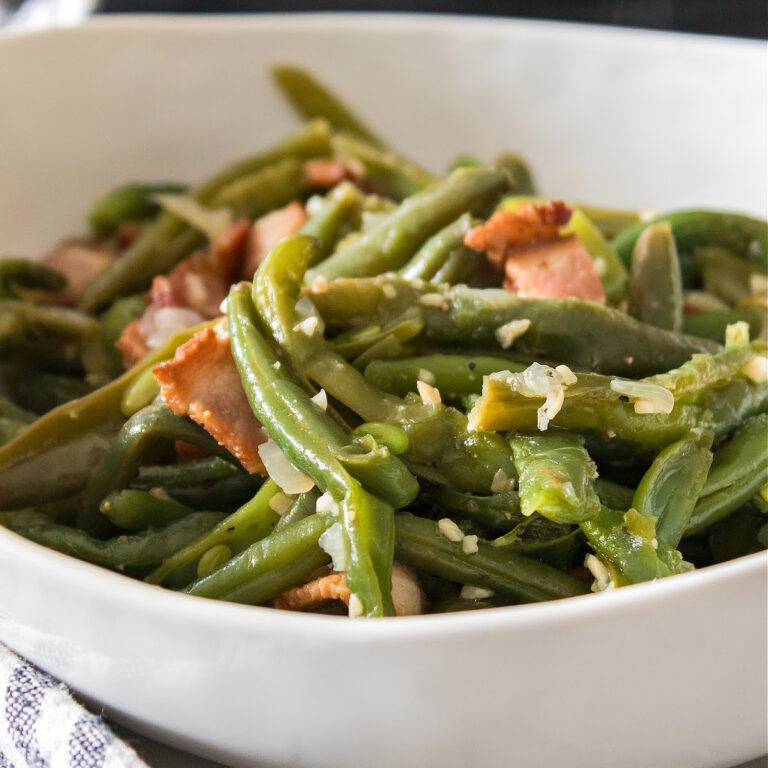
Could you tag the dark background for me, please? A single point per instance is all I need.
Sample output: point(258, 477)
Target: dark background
point(742, 18)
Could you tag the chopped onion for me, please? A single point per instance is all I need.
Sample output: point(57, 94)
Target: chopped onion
point(159, 324)
point(212, 223)
point(510, 332)
point(469, 592)
point(756, 369)
point(646, 397)
point(600, 572)
point(290, 479)
point(736, 335)
point(332, 542)
point(428, 394)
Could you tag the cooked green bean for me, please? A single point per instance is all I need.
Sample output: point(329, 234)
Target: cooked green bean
point(739, 470)
point(386, 173)
point(432, 256)
point(253, 184)
point(127, 204)
point(138, 550)
point(249, 524)
point(312, 99)
point(389, 244)
point(23, 273)
point(556, 477)
point(655, 286)
point(670, 488)
point(135, 510)
point(746, 236)
point(420, 543)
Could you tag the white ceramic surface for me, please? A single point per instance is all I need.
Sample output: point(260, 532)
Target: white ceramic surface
point(667, 675)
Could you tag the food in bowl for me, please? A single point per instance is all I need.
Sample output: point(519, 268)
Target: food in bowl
point(326, 379)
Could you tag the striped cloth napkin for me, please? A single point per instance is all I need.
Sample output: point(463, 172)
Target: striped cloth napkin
point(42, 726)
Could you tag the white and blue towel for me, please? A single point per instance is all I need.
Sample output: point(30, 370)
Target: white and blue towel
point(42, 726)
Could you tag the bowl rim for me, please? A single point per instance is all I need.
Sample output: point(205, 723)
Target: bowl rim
point(386, 21)
point(82, 576)
point(87, 578)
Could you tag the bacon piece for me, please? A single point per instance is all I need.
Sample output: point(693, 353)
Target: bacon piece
point(79, 260)
point(194, 288)
point(407, 595)
point(507, 230)
point(202, 382)
point(558, 269)
point(202, 281)
point(268, 231)
point(326, 172)
point(537, 261)
point(309, 595)
point(132, 344)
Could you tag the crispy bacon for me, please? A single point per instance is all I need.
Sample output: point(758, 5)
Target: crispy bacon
point(559, 269)
point(331, 587)
point(201, 282)
point(327, 172)
point(132, 344)
point(508, 230)
point(194, 288)
point(407, 595)
point(268, 231)
point(202, 382)
point(536, 260)
point(79, 260)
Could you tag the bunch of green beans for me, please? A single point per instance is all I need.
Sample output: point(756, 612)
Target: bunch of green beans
point(596, 446)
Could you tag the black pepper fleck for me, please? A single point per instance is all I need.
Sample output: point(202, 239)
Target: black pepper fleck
point(472, 366)
point(623, 398)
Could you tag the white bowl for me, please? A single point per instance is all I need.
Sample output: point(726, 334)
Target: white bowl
point(667, 674)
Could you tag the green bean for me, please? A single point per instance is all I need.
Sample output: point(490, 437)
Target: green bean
point(302, 506)
point(186, 473)
point(579, 333)
point(357, 340)
point(610, 221)
point(389, 244)
point(135, 510)
point(724, 274)
point(271, 583)
point(314, 442)
point(739, 470)
point(140, 393)
point(591, 406)
point(388, 435)
point(143, 432)
point(168, 240)
point(126, 204)
point(517, 168)
point(68, 442)
point(556, 477)
point(432, 255)
point(312, 99)
point(744, 235)
point(213, 559)
point(386, 173)
point(670, 488)
point(11, 429)
point(452, 375)
point(101, 358)
point(23, 273)
point(341, 207)
point(250, 523)
point(40, 391)
point(462, 266)
point(712, 325)
point(430, 427)
point(420, 544)
point(10, 410)
point(613, 495)
point(276, 551)
point(628, 542)
point(655, 287)
point(22, 324)
point(137, 550)
point(704, 370)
